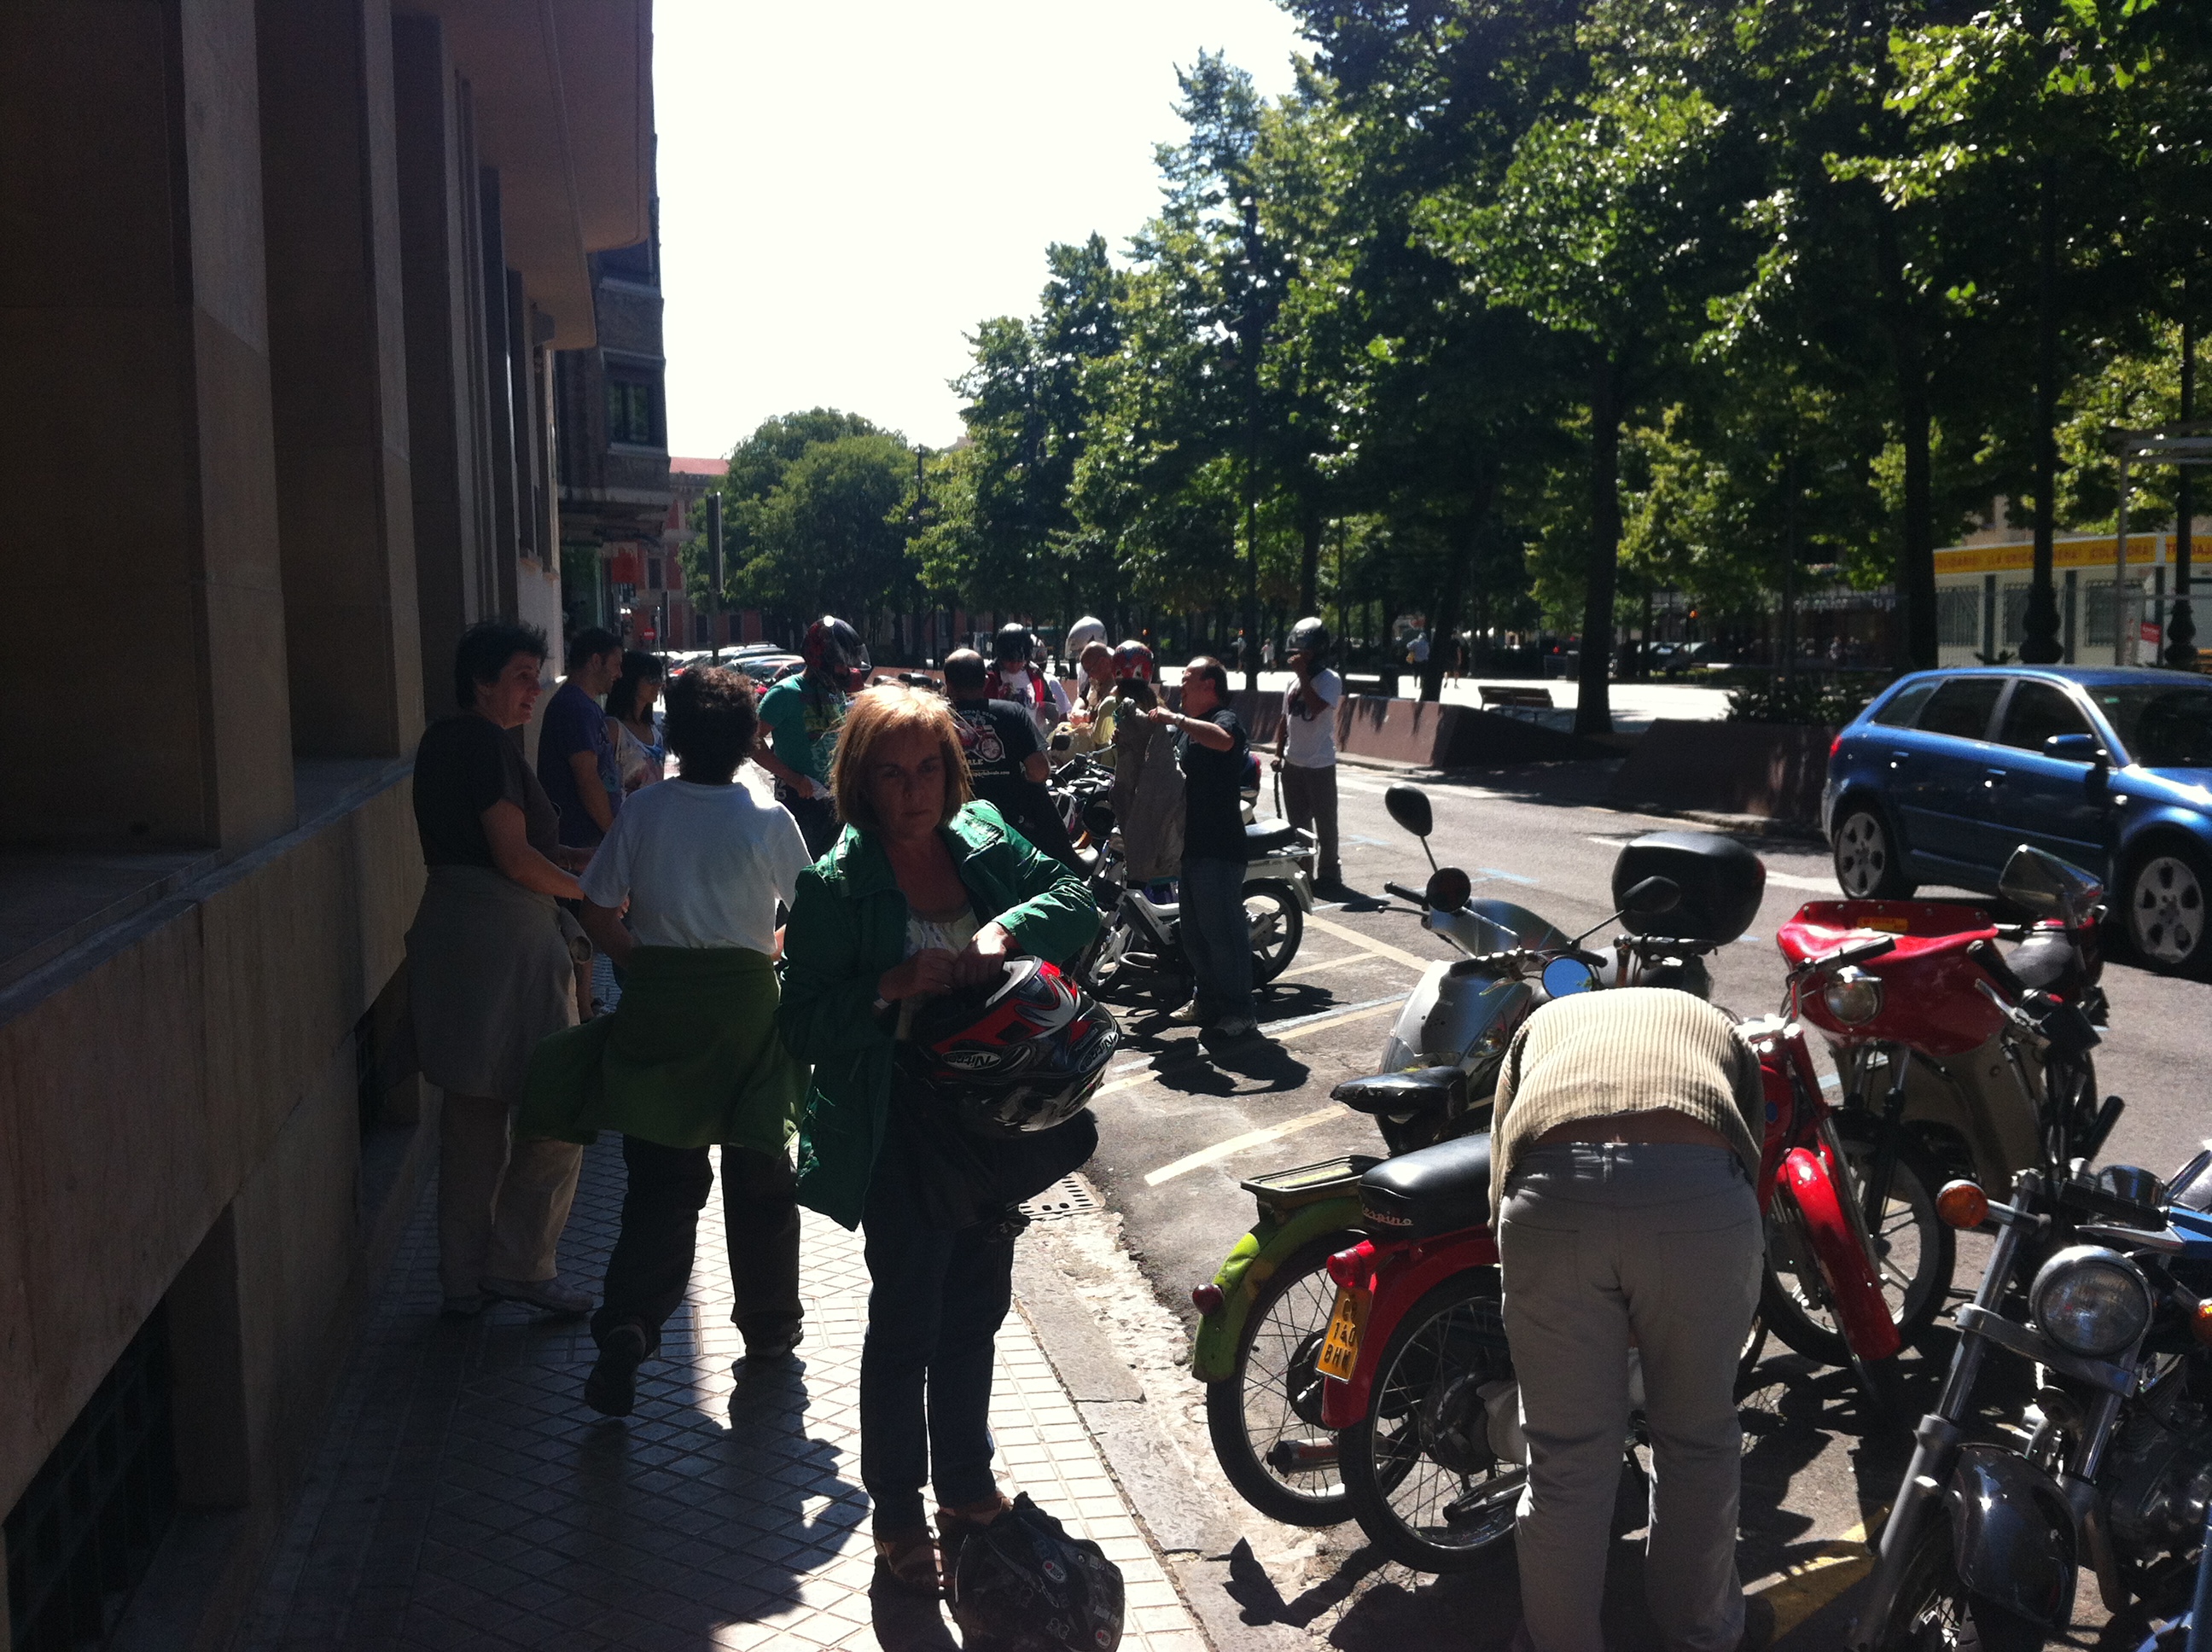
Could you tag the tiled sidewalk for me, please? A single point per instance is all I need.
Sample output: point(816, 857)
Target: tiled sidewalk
point(466, 1497)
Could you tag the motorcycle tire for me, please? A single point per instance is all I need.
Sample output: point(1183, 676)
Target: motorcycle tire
point(1795, 1309)
point(1271, 1401)
point(1277, 924)
point(1936, 1612)
point(1418, 1468)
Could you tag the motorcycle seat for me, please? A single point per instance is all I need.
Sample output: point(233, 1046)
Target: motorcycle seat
point(1440, 1189)
point(1267, 837)
point(1423, 1090)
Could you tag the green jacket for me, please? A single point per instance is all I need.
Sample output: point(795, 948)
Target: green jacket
point(690, 1058)
point(848, 927)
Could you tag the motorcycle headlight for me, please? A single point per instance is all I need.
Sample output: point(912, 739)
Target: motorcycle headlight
point(1853, 996)
point(2091, 1301)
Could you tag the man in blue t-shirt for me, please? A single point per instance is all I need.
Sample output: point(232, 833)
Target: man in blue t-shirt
point(576, 762)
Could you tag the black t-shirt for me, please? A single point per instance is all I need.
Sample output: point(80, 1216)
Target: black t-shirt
point(465, 764)
point(1213, 811)
point(998, 737)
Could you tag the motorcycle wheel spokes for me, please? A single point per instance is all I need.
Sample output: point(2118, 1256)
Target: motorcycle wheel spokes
point(1264, 1419)
point(1935, 1612)
point(1422, 1480)
point(1277, 925)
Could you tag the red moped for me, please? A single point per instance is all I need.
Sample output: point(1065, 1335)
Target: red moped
point(1418, 1381)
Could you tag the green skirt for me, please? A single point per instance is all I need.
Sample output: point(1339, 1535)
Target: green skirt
point(690, 1058)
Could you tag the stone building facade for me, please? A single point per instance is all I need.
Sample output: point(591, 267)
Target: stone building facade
point(307, 263)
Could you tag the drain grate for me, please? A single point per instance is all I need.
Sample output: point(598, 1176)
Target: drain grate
point(1071, 1195)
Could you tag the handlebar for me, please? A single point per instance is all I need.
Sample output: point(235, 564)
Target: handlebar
point(1874, 946)
point(1405, 893)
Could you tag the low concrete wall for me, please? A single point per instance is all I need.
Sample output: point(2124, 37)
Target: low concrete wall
point(1775, 770)
point(1425, 733)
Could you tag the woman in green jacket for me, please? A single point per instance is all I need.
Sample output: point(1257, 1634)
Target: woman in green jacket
point(924, 892)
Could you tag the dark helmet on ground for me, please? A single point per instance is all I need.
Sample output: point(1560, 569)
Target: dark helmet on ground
point(1022, 1584)
point(1311, 636)
point(1133, 659)
point(835, 648)
point(1013, 642)
point(1021, 1053)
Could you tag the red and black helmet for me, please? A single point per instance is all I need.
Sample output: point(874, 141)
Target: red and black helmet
point(1023, 1053)
point(835, 648)
point(1133, 659)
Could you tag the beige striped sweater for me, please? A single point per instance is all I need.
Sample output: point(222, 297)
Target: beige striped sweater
point(1624, 1050)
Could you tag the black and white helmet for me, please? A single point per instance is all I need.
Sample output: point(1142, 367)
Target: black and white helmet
point(1311, 636)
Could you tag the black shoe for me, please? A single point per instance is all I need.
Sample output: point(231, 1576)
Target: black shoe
point(611, 1388)
point(769, 1349)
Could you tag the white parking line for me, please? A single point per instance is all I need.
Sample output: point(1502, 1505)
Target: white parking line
point(1380, 949)
point(1221, 1150)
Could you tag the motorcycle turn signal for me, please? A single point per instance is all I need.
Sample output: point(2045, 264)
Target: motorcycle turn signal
point(1962, 1204)
point(1352, 1268)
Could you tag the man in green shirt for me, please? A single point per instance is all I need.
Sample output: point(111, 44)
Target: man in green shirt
point(802, 715)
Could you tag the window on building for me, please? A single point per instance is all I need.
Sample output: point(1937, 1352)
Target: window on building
point(1958, 616)
point(652, 571)
point(2015, 615)
point(2096, 615)
point(633, 409)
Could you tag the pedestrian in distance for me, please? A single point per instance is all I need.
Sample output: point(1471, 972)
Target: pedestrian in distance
point(491, 964)
point(576, 761)
point(925, 892)
point(803, 714)
point(640, 754)
point(690, 1060)
point(1216, 937)
point(1006, 765)
point(1627, 1132)
point(1305, 746)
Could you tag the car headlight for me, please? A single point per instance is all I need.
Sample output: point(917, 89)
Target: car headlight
point(1853, 996)
point(2090, 1300)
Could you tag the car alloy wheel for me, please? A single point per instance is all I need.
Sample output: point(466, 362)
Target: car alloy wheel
point(2166, 911)
point(1862, 856)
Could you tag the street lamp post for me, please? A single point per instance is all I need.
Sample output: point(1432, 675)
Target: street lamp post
point(714, 571)
point(2187, 445)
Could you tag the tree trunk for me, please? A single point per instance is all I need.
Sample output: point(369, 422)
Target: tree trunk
point(1443, 613)
point(1916, 560)
point(1310, 560)
point(1594, 706)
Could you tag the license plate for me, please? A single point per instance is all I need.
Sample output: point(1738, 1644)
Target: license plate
point(1339, 1350)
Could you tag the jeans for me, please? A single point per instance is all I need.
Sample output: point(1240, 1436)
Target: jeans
point(1596, 1242)
point(652, 1254)
point(1217, 938)
point(1309, 800)
point(502, 1199)
point(935, 1302)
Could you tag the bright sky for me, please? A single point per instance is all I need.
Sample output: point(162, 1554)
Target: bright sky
point(846, 190)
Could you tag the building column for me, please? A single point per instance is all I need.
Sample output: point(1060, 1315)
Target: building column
point(136, 448)
point(338, 376)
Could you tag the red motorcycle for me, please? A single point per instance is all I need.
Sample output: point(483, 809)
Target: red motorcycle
point(1418, 1381)
point(1955, 1059)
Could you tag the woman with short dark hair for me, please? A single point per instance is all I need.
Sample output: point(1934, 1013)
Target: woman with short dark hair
point(491, 969)
point(690, 1060)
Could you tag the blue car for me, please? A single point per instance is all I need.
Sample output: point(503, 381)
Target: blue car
point(1948, 771)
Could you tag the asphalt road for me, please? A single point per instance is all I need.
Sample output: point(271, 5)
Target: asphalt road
point(1179, 1131)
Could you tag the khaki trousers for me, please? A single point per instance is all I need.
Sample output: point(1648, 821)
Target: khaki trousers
point(1596, 1242)
point(502, 1201)
point(1309, 800)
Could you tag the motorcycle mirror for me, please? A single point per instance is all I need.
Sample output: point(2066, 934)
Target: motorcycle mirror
point(1409, 807)
point(1565, 976)
point(1449, 889)
point(1651, 897)
point(2037, 881)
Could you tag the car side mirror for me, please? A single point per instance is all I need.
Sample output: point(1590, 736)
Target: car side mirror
point(2076, 748)
point(1409, 807)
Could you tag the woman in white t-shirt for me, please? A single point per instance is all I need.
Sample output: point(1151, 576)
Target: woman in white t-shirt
point(691, 1058)
point(1305, 745)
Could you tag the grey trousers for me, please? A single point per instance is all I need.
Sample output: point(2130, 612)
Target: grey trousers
point(501, 1201)
point(1309, 800)
point(1596, 1244)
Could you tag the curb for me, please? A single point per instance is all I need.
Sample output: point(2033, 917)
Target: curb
point(1197, 1540)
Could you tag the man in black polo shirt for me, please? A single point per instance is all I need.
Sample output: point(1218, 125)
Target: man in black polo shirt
point(1216, 937)
point(1005, 763)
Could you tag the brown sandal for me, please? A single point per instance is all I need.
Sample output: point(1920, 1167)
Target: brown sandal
point(910, 1559)
point(955, 1526)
